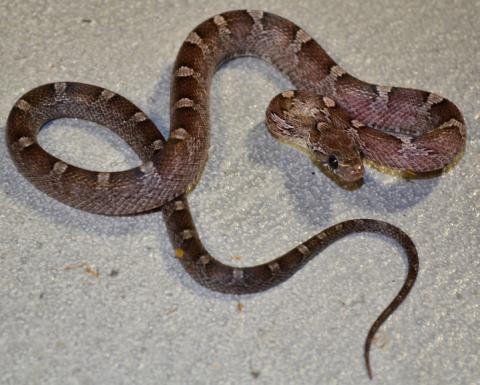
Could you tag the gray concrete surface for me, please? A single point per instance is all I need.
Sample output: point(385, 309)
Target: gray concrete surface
point(142, 320)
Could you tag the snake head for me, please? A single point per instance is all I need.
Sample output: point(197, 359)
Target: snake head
point(332, 147)
point(317, 126)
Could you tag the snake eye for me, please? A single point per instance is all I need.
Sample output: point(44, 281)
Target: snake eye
point(333, 162)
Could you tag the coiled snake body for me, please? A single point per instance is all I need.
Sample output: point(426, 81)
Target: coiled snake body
point(337, 118)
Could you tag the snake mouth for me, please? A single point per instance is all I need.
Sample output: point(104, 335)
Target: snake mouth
point(350, 172)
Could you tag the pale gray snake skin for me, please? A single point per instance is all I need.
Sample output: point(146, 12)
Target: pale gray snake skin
point(336, 118)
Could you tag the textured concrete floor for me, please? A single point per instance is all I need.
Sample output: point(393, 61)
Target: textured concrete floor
point(142, 320)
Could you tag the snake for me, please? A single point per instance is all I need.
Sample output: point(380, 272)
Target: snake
point(337, 119)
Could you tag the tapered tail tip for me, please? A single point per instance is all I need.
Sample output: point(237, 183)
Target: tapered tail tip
point(367, 365)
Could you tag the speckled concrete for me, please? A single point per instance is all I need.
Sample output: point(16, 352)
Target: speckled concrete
point(142, 320)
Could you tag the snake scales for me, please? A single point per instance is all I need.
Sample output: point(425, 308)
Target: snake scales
point(336, 118)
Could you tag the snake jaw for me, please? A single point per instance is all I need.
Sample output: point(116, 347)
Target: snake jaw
point(349, 172)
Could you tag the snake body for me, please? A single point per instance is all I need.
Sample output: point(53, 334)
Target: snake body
point(335, 117)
